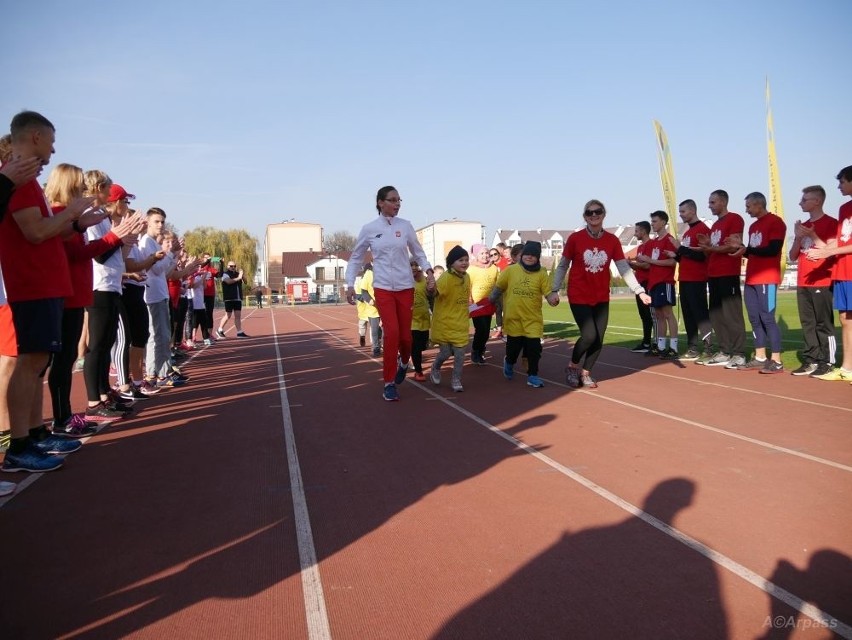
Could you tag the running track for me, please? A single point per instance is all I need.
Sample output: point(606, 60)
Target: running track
point(278, 496)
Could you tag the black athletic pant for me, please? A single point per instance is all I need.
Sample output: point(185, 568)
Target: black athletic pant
point(696, 314)
point(592, 321)
point(648, 320)
point(179, 321)
point(209, 303)
point(816, 313)
point(419, 343)
point(62, 367)
point(481, 330)
point(531, 348)
point(103, 325)
point(726, 314)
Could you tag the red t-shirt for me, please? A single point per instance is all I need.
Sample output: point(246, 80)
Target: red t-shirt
point(724, 264)
point(816, 273)
point(843, 266)
point(765, 269)
point(80, 254)
point(210, 285)
point(589, 278)
point(658, 274)
point(643, 249)
point(503, 263)
point(32, 271)
point(693, 270)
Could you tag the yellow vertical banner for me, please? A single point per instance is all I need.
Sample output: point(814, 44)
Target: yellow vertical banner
point(775, 204)
point(666, 176)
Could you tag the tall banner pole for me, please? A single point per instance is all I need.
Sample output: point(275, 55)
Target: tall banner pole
point(775, 203)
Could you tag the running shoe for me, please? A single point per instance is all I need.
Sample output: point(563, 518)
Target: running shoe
point(456, 384)
point(822, 369)
point(435, 375)
point(401, 371)
point(705, 357)
point(148, 388)
point(669, 354)
point(419, 377)
point(7, 488)
point(752, 365)
point(535, 382)
point(100, 413)
point(691, 355)
point(508, 369)
point(220, 334)
point(169, 382)
point(55, 445)
point(31, 460)
point(390, 393)
point(76, 427)
point(476, 357)
point(772, 367)
point(588, 381)
point(243, 334)
point(572, 377)
point(377, 353)
point(641, 348)
point(208, 342)
point(837, 374)
point(653, 351)
point(719, 360)
point(131, 393)
point(805, 370)
point(735, 362)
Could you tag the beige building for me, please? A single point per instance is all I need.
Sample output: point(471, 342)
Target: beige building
point(286, 237)
point(438, 238)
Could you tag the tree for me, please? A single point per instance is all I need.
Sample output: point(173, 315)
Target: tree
point(339, 241)
point(234, 244)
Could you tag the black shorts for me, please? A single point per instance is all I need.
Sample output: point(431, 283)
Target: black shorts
point(662, 295)
point(38, 325)
point(133, 298)
point(233, 305)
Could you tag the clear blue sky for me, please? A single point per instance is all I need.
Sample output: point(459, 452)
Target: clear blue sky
point(514, 114)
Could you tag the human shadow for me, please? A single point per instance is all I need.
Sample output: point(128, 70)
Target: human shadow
point(826, 583)
point(627, 580)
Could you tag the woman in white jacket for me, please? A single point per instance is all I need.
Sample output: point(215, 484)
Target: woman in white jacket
point(392, 241)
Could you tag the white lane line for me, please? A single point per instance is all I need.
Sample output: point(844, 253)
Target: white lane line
point(739, 570)
point(720, 559)
point(315, 610)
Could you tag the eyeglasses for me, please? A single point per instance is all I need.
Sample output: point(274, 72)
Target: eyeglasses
point(393, 200)
point(588, 213)
point(231, 266)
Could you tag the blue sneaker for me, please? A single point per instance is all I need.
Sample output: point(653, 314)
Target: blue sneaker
point(55, 444)
point(390, 394)
point(535, 381)
point(508, 369)
point(401, 371)
point(31, 460)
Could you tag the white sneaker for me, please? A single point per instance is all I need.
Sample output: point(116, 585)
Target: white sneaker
point(435, 375)
point(456, 385)
point(735, 361)
point(7, 488)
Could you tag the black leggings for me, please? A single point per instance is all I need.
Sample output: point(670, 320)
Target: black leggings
point(531, 348)
point(481, 329)
point(103, 326)
point(419, 343)
point(592, 321)
point(62, 368)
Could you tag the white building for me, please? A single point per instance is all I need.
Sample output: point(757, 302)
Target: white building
point(438, 238)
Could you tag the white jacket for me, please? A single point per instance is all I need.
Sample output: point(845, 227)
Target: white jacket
point(389, 240)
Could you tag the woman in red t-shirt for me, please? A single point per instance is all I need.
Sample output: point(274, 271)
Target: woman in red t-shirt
point(588, 253)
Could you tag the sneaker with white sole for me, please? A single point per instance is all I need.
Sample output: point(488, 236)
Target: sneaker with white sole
point(435, 375)
point(220, 334)
point(772, 367)
point(691, 355)
point(805, 370)
point(401, 371)
point(641, 348)
point(390, 393)
point(719, 360)
point(572, 377)
point(55, 445)
point(456, 385)
point(76, 427)
point(735, 362)
point(588, 381)
point(31, 460)
point(7, 488)
point(752, 365)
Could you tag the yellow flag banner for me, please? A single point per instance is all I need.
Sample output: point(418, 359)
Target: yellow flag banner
point(776, 206)
point(667, 176)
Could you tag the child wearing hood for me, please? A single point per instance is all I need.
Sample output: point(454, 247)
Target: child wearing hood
point(450, 318)
point(483, 275)
point(522, 286)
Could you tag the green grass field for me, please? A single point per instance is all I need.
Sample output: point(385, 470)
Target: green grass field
point(625, 329)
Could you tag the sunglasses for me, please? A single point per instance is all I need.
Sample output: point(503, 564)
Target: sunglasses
point(588, 213)
point(494, 255)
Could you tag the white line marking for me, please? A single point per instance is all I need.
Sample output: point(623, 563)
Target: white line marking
point(315, 610)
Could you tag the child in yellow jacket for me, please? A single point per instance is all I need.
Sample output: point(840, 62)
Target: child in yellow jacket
point(450, 319)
